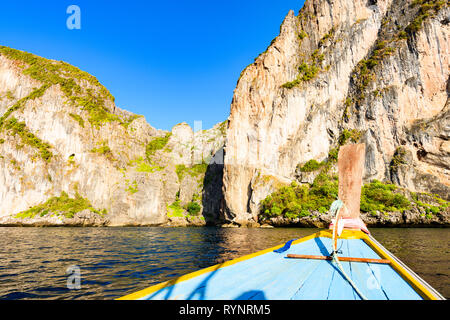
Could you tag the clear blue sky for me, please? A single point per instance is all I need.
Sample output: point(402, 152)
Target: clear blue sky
point(171, 61)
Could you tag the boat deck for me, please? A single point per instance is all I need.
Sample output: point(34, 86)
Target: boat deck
point(273, 276)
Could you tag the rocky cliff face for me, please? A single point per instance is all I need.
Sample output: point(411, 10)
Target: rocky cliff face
point(69, 156)
point(341, 71)
point(377, 69)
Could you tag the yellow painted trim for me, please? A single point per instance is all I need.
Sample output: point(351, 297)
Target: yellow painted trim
point(346, 234)
point(415, 283)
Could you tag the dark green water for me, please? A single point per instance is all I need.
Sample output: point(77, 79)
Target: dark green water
point(117, 261)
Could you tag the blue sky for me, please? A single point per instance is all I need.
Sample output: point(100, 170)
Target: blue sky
point(171, 61)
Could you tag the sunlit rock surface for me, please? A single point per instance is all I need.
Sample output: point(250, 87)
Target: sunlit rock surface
point(343, 65)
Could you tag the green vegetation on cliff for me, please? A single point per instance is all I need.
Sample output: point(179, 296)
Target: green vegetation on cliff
point(77, 118)
point(51, 72)
point(156, 144)
point(364, 72)
point(98, 114)
point(353, 135)
point(311, 165)
point(20, 129)
point(63, 205)
point(9, 95)
point(71, 80)
point(302, 35)
point(127, 121)
point(194, 171)
point(426, 9)
point(37, 93)
point(327, 36)
point(346, 135)
point(308, 71)
point(377, 196)
point(131, 187)
point(105, 150)
point(175, 209)
point(297, 201)
point(438, 204)
point(193, 208)
point(145, 166)
point(398, 158)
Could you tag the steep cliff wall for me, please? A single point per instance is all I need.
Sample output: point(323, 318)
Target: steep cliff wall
point(371, 71)
point(378, 68)
point(68, 155)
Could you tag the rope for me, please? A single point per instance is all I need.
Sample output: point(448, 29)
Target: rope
point(336, 206)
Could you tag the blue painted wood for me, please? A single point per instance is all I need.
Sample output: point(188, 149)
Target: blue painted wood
point(316, 286)
point(361, 273)
point(340, 288)
point(203, 285)
point(316, 246)
point(392, 284)
point(241, 278)
point(255, 279)
point(284, 285)
point(273, 276)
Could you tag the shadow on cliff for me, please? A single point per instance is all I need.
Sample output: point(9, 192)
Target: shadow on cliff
point(212, 195)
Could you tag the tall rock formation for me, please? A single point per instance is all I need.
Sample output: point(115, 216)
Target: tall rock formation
point(378, 68)
point(370, 71)
point(69, 156)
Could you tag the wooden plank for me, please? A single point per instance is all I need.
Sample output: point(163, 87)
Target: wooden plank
point(367, 260)
point(351, 167)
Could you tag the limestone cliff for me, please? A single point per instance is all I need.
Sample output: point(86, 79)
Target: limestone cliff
point(376, 68)
point(69, 156)
point(341, 71)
